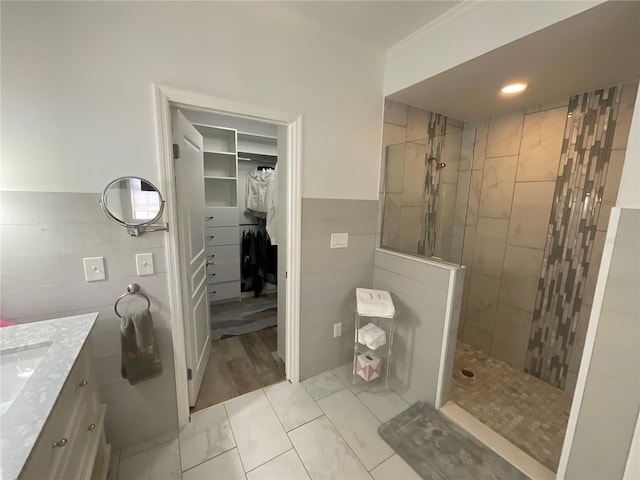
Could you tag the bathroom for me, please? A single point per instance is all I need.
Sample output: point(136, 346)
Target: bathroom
point(54, 218)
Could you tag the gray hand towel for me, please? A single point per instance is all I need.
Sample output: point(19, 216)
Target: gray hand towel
point(140, 356)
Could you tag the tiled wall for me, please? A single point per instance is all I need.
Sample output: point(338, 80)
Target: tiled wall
point(608, 410)
point(424, 338)
point(415, 222)
point(44, 238)
point(329, 278)
point(513, 181)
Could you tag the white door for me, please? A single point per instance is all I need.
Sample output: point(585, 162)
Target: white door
point(281, 237)
point(189, 169)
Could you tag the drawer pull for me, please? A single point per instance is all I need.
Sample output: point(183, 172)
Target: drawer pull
point(209, 263)
point(212, 274)
point(83, 383)
point(214, 292)
point(211, 236)
point(212, 255)
point(60, 443)
point(209, 218)
point(90, 428)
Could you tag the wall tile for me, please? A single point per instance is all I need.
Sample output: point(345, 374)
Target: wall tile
point(491, 238)
point(391, 221)
point(482, 302)
point(625, 113)
point(410, 222)
point(579, 339)
point(417, 124)
point(541, 145)
point(395, 112)
point(480, 143)
point(530, 214)
point(395, 168)
point(413, 176)
point(477, 338)
point(468, 247)
point(520, 277)
point(611, 187)
point(511, 335)
point(498, 180)
point(474, 197)
point(541, 107)
point(392, 135)
point(505, 132)
point(594, 268)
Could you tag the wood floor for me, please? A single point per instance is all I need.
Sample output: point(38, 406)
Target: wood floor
point(239, 365)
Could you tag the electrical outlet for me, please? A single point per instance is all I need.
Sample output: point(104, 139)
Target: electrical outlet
point(337, 330)
point(144, 263)
point(339, 240)
point(94, 269)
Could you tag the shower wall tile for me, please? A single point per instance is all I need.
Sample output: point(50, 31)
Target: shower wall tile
point(594, 268)
point(611, 187)
point(520, 276)
point(445, 221)
point(409, 229)
point(480, 146)
point(482, 302)
point(391, 221)
point(498, 180)
point(393, 135)
point(417, 124)
point(580, 335)
point(477, 338)
point(469, 137)
point(450, 156)
point(414, 173)
point(505, 133)
point(491, 238)
point(475, 191)
point(463, 305)
point(395, 168)
point(395, 113)
point(468, 247)
point(541, 145)
point(529, 223)
point(541, 107)
point(511, 335)
point(625, 112)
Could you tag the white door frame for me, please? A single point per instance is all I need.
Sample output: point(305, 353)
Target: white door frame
point(166, 96)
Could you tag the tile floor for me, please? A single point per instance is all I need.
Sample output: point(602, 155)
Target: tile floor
point(320, 428)
point(527, 411)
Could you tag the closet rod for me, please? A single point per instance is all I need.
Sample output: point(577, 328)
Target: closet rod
point(249, 224)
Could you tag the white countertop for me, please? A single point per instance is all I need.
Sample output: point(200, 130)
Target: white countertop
point(23, 421)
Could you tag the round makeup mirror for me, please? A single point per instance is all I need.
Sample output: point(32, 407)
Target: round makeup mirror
point(134, 203)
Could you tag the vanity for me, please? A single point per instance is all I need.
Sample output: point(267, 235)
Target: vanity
point(51, 419)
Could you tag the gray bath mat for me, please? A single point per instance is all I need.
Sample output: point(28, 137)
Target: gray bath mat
point(437, 448)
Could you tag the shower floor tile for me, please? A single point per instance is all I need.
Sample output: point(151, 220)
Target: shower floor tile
point(525, 410)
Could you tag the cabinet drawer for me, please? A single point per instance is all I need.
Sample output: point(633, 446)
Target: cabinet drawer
point(215, 236)
point(223, 291)
point(223, 272)
point(221, 216)
point(223, 254)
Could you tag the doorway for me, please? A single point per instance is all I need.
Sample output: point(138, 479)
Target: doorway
point(186, 341)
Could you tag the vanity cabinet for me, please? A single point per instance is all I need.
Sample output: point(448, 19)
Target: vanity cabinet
point(72, 444)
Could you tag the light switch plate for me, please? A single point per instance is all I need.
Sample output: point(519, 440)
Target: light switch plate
point(337, 330)
point(144, 263)
point(94, 269)
point(339, 240)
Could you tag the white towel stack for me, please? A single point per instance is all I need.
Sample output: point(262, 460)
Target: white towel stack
point(374, 303)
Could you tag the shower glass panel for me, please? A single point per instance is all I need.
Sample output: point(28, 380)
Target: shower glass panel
point(426, 192)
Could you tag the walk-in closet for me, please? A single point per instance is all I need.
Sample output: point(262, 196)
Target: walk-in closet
point(240, 218)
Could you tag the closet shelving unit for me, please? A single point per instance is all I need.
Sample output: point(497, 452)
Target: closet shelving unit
point(221, 212)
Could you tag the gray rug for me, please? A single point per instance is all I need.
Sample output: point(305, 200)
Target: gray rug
point(244, 321)
point(437, 448)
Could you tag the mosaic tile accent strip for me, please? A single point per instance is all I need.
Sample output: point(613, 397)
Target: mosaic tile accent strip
point(577, 200)
point(525, 410)
point(435, 146)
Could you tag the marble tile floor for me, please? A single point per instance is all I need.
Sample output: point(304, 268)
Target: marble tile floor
point(316, 429)
point(528, 412)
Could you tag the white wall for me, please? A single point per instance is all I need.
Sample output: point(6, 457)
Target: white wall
point(470, 30)
point(77, 104)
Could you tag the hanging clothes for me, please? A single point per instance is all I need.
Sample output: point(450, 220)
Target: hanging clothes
point(261, 197)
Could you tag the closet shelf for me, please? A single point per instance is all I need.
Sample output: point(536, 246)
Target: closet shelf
point(257, 136)
point(219, 152)
point(211, 177)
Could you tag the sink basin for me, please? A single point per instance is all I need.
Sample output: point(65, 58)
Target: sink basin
point(17, 365)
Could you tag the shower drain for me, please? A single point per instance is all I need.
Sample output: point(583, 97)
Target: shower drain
point(467, 373)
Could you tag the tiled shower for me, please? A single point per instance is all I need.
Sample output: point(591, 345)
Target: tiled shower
point(530, 233)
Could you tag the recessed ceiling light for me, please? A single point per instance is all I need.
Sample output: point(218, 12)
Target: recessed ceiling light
point(513, 88)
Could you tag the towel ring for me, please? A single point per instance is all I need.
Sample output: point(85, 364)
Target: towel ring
point(132, 289)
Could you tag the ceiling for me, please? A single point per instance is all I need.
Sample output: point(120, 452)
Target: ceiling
point(595, 49)
point(380, 24)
